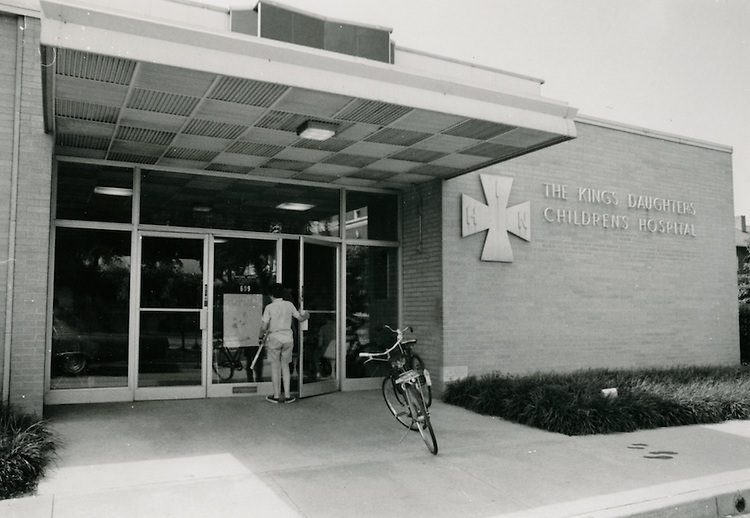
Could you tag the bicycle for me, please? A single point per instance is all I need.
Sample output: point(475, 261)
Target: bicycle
point(226, 362)
point(405, 386)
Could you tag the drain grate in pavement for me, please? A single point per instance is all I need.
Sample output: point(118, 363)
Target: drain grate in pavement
point(658, 455)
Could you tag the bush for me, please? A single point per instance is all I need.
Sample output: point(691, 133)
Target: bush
point(27, 447)
point(573, 404)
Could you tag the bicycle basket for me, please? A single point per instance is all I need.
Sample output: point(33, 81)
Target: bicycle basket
point(407, 377)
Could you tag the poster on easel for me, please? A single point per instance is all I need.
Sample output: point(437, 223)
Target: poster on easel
point(242, 317)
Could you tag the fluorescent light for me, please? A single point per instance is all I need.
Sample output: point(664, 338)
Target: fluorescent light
point(113, 191)
point(314, 130)
point(294, 206)
point(202, 208)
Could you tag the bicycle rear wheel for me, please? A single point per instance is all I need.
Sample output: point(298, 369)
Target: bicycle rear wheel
point(422, 418)
point(223, 364)
point(396, 403)
point(418, 365)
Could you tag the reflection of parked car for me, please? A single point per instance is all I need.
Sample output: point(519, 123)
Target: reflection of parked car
point(73, 354)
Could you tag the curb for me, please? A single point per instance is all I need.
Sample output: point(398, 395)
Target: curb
point(715, 496)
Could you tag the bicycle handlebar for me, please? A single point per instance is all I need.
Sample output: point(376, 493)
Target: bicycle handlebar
point(398, 331)
point(399, 341)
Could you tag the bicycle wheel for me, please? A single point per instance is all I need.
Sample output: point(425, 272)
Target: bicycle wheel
point(422, 417)
point(418, 364)
point(396, 403)
point(223, 365)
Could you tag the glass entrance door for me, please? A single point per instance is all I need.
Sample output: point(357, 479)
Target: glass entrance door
point(319, 339)
point(173, 302)
point(243, 269)
point(200, 301)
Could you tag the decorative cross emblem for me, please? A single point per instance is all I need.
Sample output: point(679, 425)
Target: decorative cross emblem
point(496, 217)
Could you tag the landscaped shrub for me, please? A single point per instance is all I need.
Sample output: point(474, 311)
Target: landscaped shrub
point(574, 405)
point(27, 447)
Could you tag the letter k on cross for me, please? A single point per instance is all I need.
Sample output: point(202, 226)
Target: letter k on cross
point(496, 217)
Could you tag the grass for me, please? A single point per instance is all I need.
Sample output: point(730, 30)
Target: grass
point(27, 447)
point(572, 403)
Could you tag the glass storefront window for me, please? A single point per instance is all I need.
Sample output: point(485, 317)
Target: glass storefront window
point(243, 271)
point(94, 193)
point(372, 302)
point(90, 310)
point(91, 345)
point(371, 216)
point(179, 199)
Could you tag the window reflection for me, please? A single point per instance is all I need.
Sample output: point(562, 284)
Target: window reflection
point(169, 351)
point(371, 216)
point(90, 310)
point(372, 302)
point(171, 273)
point(90, 344)
point(227, 203)
point(94, 193)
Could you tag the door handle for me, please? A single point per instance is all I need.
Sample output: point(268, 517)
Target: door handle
point(203, 319)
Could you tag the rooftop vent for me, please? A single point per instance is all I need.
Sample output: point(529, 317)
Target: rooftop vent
point(276, 22)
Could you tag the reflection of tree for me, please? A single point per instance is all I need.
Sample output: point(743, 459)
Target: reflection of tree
point(108, 272)
point(241, 264)
point(167, 284)
point(356, 280)
point(92, 281)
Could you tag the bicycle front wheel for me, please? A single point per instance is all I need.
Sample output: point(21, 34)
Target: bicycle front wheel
point(222, 364)
point(422, 418)
point(395, 400)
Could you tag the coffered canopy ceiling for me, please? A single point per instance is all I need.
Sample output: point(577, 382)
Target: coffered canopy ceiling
point(138, 91)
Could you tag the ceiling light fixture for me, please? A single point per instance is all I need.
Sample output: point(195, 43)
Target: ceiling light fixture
point(113, 191)
point(294, 206)
point(315, 130)
point(202, 208)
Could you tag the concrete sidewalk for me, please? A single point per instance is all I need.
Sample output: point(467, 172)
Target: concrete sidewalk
point(343, 455)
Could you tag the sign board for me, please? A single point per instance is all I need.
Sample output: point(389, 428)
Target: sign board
point(242, 316)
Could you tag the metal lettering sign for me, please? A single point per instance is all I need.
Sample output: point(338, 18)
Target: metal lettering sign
point(496, 217)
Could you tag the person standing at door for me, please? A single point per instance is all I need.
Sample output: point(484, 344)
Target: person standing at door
point(276, 330)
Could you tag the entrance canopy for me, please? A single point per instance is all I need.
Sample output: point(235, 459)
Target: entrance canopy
point(137, 85)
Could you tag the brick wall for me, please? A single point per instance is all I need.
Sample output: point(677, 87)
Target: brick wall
point(34, 152)
point(423, 276)
point(587, 296)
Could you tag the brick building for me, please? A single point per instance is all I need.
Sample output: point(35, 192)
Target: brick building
point(158, 174)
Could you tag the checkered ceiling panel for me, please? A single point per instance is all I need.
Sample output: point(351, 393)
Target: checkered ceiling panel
point(121, 110)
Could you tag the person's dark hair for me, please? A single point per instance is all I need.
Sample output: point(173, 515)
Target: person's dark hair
point(277, 290)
